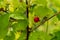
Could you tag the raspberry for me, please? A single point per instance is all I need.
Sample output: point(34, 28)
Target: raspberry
point(36, 19)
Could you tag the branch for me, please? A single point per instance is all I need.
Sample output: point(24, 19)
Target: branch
point(42, 22)
point(27, 12)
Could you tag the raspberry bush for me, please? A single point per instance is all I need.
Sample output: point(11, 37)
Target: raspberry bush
point(29, 19)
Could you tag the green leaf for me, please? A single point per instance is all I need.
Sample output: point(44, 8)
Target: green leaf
point(35, 36)
point(4, 20)
point(39, 35)
point(11, 36)
point(21, 25)
point(22, 36)
point(42, 11)
point(17, 14)
point(57, 36)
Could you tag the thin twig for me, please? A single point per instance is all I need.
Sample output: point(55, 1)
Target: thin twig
point(45, 21)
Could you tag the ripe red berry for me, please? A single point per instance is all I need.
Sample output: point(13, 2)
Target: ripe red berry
point(36, 19)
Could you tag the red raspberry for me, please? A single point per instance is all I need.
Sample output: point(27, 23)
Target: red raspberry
point(36, 19)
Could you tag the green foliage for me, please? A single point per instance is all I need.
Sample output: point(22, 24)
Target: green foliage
point(42, 11)
point(11, 36)
point(57, 36)
point(20, 25)
point(55, 11)
point(4, 21)
point(16, 18)
point(41, 2)
point(35, 36)
point(39, 35)
point(23, 36)
point(56, 2)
